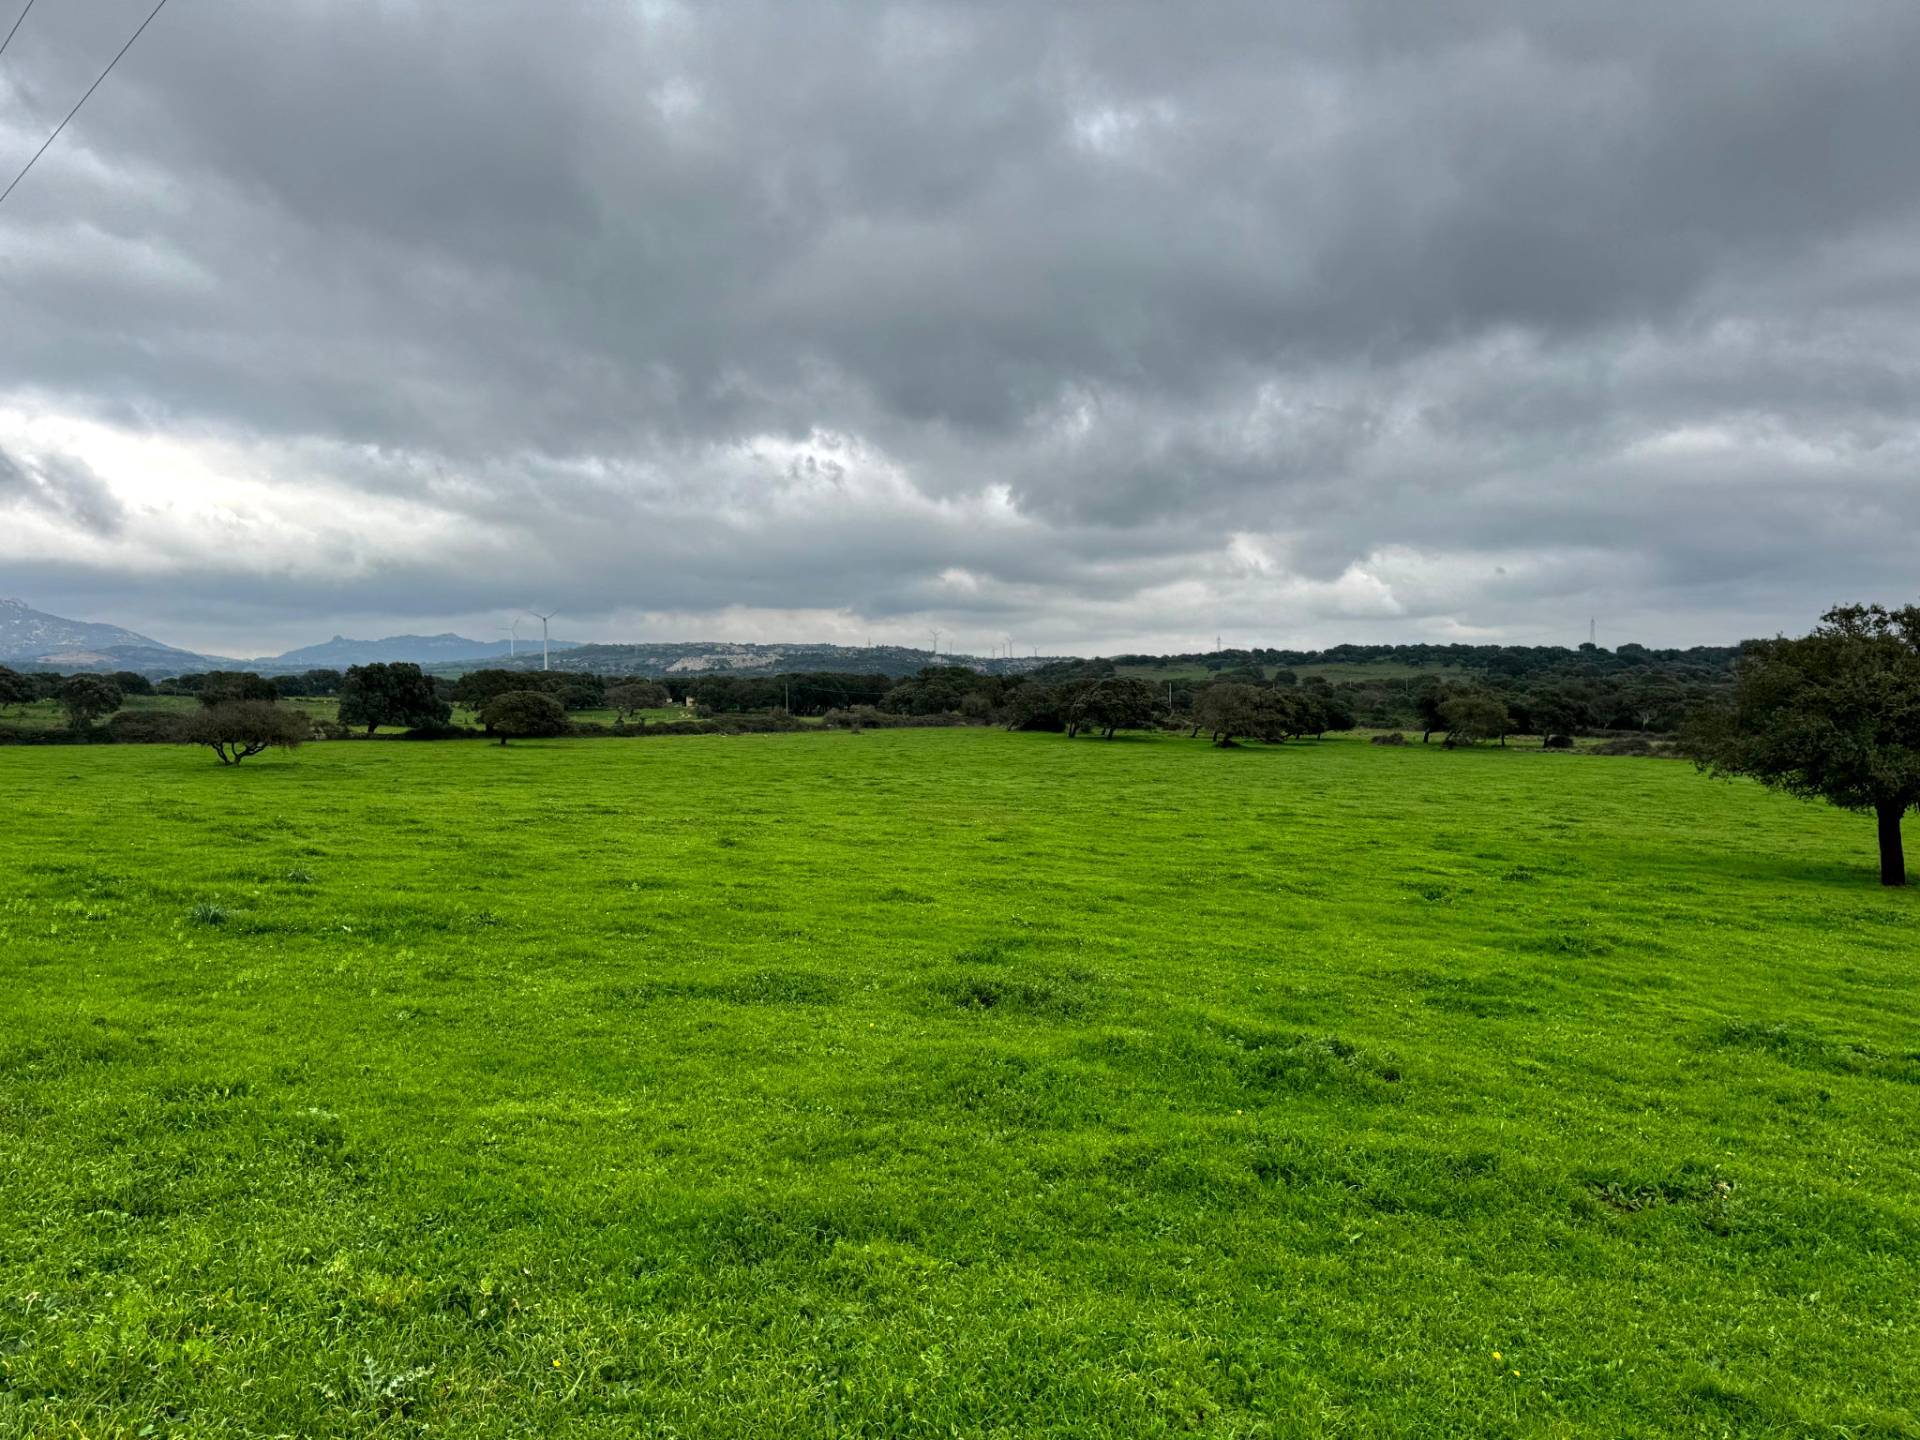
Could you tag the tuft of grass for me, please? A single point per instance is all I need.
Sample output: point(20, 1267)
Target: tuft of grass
point(207, 913)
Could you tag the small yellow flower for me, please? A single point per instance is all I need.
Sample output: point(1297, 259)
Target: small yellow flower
point(556, 1365)
point(1496, 1354)
point(1516, 1374)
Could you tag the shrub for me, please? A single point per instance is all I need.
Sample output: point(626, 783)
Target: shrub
point(1393, 737)
point(1632, 745)
point(864, 717)
point(144, 727)
point(1557, 742)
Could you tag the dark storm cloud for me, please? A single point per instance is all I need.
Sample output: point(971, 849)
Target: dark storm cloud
point(1124, 321)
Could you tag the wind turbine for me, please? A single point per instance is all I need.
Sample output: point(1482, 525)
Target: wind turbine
point(512, 627)
point(936, 644)
point(543, 619)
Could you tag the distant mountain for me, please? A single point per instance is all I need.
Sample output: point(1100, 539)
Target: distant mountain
point(448, 649)
point(33, 637)
point(708, 658)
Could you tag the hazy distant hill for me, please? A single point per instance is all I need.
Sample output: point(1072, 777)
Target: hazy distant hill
point(708, 658)
point(33, 637)
point(433, 650)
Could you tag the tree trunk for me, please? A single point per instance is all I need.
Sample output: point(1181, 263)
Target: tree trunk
point(1893, 857)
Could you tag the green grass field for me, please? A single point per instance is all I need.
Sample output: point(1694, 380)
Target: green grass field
point(948, 1082)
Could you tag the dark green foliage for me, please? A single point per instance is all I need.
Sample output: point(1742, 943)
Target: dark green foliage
point(942, 690)
point(1831, 716)
point(475, 688)
point(236, 729)
point(15, 689)
point(523, 714)
point(131, 682)
point(86, 698)
point(1037, 705)
point(1102, 707)
point(1472, 715)
point(309, 683)
point(1230, 712)
point(395, 694)
point(223, 687)
point(629, 696)
point(145, 727)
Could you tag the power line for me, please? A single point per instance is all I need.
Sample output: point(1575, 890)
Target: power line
point(16, 25)
point(83, 99)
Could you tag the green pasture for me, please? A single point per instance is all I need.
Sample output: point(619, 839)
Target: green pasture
point(948, 1083)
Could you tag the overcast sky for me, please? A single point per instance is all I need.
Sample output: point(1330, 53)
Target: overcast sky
point(1104, 326)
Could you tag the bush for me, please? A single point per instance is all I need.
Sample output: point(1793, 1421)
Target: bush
point(443, 732)
point(1391, 738)
point(866, 717)
point(1633, 745)
point(144, 727)
point(1557, 742)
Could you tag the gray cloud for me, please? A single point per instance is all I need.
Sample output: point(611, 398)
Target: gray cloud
point(1116, 325)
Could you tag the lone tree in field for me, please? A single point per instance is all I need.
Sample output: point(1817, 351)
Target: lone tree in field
point(524, 713)
point(87, 697)
point(1474, 715)
point(396, 694)
point(632, 695)
point(1831, 716)
point(235, 729)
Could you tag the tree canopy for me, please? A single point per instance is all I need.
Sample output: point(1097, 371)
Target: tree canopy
point(390, 694)
point(1104, 706)
point(87, 697)
point(524, 713)
point(1831, 716)
point(1472, 715)
point(631, 695)
point(235, 729)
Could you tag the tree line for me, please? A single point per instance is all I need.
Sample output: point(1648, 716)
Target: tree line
point(1833, 715)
